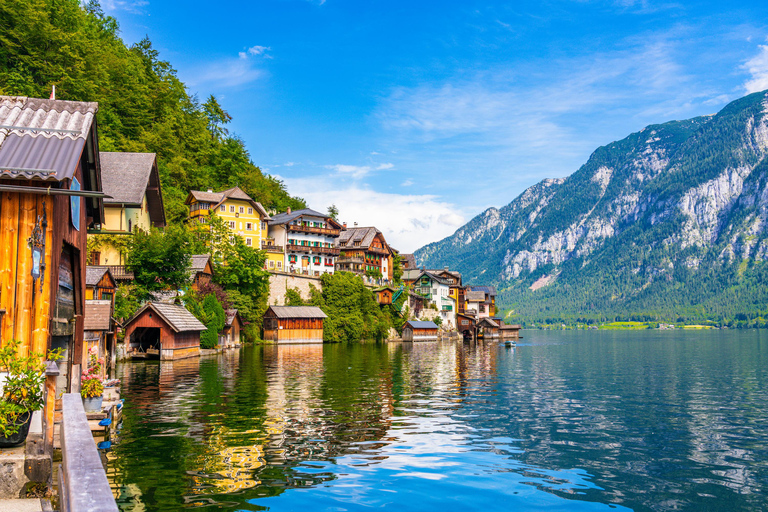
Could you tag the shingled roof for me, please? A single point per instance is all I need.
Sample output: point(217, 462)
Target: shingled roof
point(177, 317)
point(286, 217)
point(298, 312)
point(197, 262)
point(415, 324)
point(231, 314)
point(127, 177)
point(364, 235)
point(93, 275)
point(216, 198)
point(408, 261)
point(97, 315)
point(475, 296)
point(42, 139)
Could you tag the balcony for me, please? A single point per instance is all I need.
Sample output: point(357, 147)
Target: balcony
point(308, 249)
point(278, 249)
point(119, 272)
point(378, 250)
point(312, 229)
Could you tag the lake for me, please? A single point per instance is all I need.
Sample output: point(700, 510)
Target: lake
point(573, 420)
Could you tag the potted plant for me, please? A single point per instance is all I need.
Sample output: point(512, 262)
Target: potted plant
point(91, 387)
point(22, 391)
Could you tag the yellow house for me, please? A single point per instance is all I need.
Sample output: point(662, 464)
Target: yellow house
point(243, 215)
point(133, 182)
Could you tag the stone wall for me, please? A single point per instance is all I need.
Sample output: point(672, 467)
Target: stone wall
point(280, 283)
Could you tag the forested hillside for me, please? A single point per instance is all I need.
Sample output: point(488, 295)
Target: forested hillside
point(143, 106)
point(669, 223)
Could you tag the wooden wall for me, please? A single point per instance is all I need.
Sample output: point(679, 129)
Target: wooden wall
point(169, 339)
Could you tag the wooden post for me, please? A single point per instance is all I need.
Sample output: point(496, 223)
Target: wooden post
point(51, 372)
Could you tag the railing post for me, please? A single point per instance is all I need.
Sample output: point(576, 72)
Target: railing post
point(51, 372)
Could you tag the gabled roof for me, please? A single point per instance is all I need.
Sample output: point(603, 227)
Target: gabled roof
point(421, 325)
point(384, 288)
point(177, 317)
point(94, 274)
point(216, 198)
point(488, 321)
point(285, 218)
point(364, 235)
point(408, 261)
point(298, 312)
point(490, 290)
point(197, 262)
point(432, 276)
point(231, 315)
point(411, 274)
point(97, 315)
point(43, 139)
point(128, 177)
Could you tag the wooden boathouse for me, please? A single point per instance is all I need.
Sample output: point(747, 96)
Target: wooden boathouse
point(164, 331)
point(509, 332)
point(50, 194)
point(419, 331)
point(487, 329)
point(230, 335)
point(294, 324)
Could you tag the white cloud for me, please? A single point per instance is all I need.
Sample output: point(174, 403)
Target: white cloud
point(229, 71)
point(408, 221)
point(358, 171)
point(757, 67)
point(255, 51)
point(407, 183)
point(132, 6)
point(384, 167)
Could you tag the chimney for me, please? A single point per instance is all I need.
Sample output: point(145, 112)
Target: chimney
point(345, 225)
point(210, 191)
point(446, 269)
point(288, 210)
point(355, 224)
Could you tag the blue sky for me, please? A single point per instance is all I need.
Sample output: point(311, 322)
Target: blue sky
point(416, 116)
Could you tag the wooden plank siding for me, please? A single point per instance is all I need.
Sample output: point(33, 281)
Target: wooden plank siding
point(293, 330)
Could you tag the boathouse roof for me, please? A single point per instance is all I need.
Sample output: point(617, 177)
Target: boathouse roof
point(418, 324)
point(487, 320)
point(43, 139)
point(231, 315)
point(97, 315)
point(177, 317)
point(297, 312)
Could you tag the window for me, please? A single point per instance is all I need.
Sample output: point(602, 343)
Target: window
point(316, 260)
point(271, 263)
point(263, 226)
point(231, 209)
point(242, 210)
point(292, 258)
point(248, 242)
point(279, 264)
point(250, 211)
point(248, 226)
point(222, 208)
point(231, 224)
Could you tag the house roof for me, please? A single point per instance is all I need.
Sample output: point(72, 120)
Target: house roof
point(43, 139)
point(411, 274)
point(475, 296)
point(298, 312)
point(408, 261)
point(94, 274)
point(128, 177)
point(421, 324)
point(384, 288)
point(177, 317)
point(219, 197)
point(432, 276)
point(197, 262)
point(453, 273)
point(364, 235)
point(488, 321)
point(231, 314)
point(97, 315)
point(490, 290)
point(285, 218)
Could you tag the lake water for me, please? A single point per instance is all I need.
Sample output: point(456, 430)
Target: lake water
point(583, 421)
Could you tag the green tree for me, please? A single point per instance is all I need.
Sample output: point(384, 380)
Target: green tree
point(333, 212)
point(159, 259)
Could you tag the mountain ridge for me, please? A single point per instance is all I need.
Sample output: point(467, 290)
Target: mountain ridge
point(637, 230)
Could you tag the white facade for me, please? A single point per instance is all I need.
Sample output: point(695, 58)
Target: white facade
point(306, 253)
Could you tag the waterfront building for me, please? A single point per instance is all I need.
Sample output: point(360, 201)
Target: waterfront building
point(414, 330)
point(50, 195)
point(481, 300)
point(465, 324)
point(240, 213)
point(99, 330)
point(232, 329)
point(488, 329)
point(164, 331)
point(293, 324)
point(364, 251)
point(436, 290)
point(136, 202)
point(308, 238)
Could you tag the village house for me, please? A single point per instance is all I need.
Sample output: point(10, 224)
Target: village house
point(241, 214)
point(293, 324)
point(364, 251)
point(309, 241)
point(50, 194)
point(408, 262)
point(133, 182)
point(436, 290)
point(488, 329)
point(163, 331)
point(414, 330)
point(481, 300)
point(200, 270)
point(466, 325)
point(99, 284)
point(99, 326)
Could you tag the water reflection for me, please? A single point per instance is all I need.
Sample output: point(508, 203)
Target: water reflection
point(573, 422)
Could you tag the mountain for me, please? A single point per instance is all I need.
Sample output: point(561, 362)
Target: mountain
point(670, 222)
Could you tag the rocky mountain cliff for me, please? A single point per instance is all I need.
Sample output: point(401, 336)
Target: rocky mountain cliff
point(670, 221)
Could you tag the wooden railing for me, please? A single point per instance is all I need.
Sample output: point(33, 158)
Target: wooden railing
point(313, 229)
point(119, 272)
point(272, 248)
point(83, 484)
point(330, 251)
